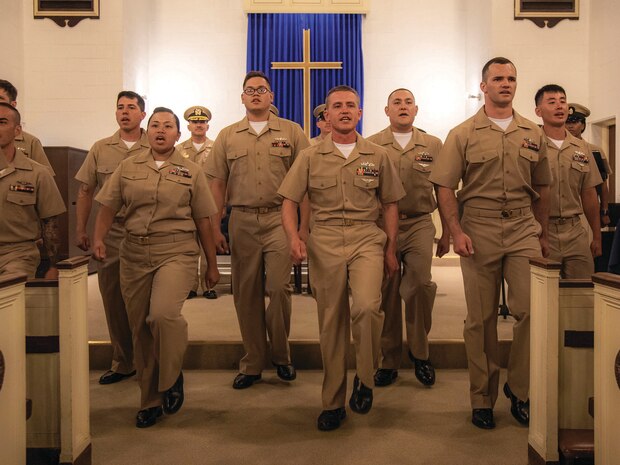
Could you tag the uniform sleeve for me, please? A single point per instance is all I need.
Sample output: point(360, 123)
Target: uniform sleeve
point(541, 175)
point(449, 168)
point(49, 200)
point(295, 183)
point(216, 165)
point(202, 202)
point(87, 174)
point(38, 154)
point(111, 194)
point(390, 184)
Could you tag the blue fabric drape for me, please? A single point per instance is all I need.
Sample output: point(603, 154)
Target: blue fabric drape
point(279, 37)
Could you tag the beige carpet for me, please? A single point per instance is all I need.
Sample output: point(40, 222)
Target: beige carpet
point(274, 423)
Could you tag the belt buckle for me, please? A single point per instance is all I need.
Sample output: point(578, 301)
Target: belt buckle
point(347, 222)
point(561, 220)
point(143, 239)
point(263, 209)
point(402, 216)
point(506, 213)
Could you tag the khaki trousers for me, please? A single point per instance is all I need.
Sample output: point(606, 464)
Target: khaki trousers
point(155, 280)
point(261, 266)
point(499, 245)
point(343, 257)
point(108, 274)
point(569, 245)
point(19, 258)
point(414, 286)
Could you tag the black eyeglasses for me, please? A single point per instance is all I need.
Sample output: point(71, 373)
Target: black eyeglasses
point(258, 90)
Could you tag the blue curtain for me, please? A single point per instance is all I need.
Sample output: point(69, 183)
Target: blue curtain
point(279, 37)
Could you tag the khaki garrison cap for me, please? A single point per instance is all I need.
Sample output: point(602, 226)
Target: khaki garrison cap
point(577, 112)
point(197, 113)
point(318, 111)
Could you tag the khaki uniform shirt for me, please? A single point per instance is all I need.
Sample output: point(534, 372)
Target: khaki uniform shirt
point(343, 188)
point(28, 194)
point(30, 146)
point(158, 201)
point(414, 164)
point(105, 156)
point(316, 140)
point(188, 150)
point(253, 166)
point(573, 169)
point(498, 168)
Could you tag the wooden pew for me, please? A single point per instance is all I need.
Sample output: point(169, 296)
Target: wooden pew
point(12, 370)
point(57, 366)
point(561, 367)
point(607, 368)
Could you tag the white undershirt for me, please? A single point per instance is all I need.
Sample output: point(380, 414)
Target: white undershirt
point(129, 144)
point(198, 146)
point(159, 163)
point(345, 149)
point(502, 122)
point(403, 138)
point(558, 143)
point(258, 126)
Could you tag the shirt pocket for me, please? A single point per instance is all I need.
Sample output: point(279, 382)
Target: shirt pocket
point(103, 173)
point(21, 207)
point(134, 188)
point(527, 161)
point(364, 195)
point(578, 172)
point(323, 191)
point(176, 190)
point(237, 163)
point(279, 161)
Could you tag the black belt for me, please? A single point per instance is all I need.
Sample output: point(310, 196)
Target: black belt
point(563, 220)
point(505, 213)
point(404, 216)
point(342, 222)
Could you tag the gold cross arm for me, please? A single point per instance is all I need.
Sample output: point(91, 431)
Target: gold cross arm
point(306, 65)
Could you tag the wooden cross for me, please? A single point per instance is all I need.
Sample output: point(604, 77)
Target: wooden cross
point(306, 65)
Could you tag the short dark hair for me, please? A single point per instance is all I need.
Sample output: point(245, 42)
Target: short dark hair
point(133, 96)
point(253, 74)
point(495, 61)
point(9, 89)
point(17, 116)
point(165, 110)
point(549, 88)
point(396, 90)
point(342, 88)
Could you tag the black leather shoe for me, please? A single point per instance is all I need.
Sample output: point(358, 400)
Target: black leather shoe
point(361, 397)
point(330, 419)
point(111, 377)
point(423, 370)
point(286, 372)
point(192, 294)
point(520, 409)
point(174, 397)
point(210, 294)
point(483, 418)
point(243, 381)
point(148, 417)
point(385, 376)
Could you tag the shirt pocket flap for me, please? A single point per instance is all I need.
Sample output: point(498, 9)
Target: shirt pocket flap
point(529, 154)
point(280, 151)
point(106, 169)
point(179, 179)
point(426, 168)
point(580, 166)
point(323, 182)
point(366, 183)
point(21, 198)
point(482, 157)
point(237, 154)
point(135, 175)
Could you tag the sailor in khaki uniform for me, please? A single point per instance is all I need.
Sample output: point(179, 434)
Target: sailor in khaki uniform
point(413, 153)
point(248, 162)
point(166, 200)
point(197, 148)
point(347, 180)
point(576, 124)
point(28, 197)
point(28, 144)
point(323, 125)
point(573, 189)
point(101, 161)
point(500, 222)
